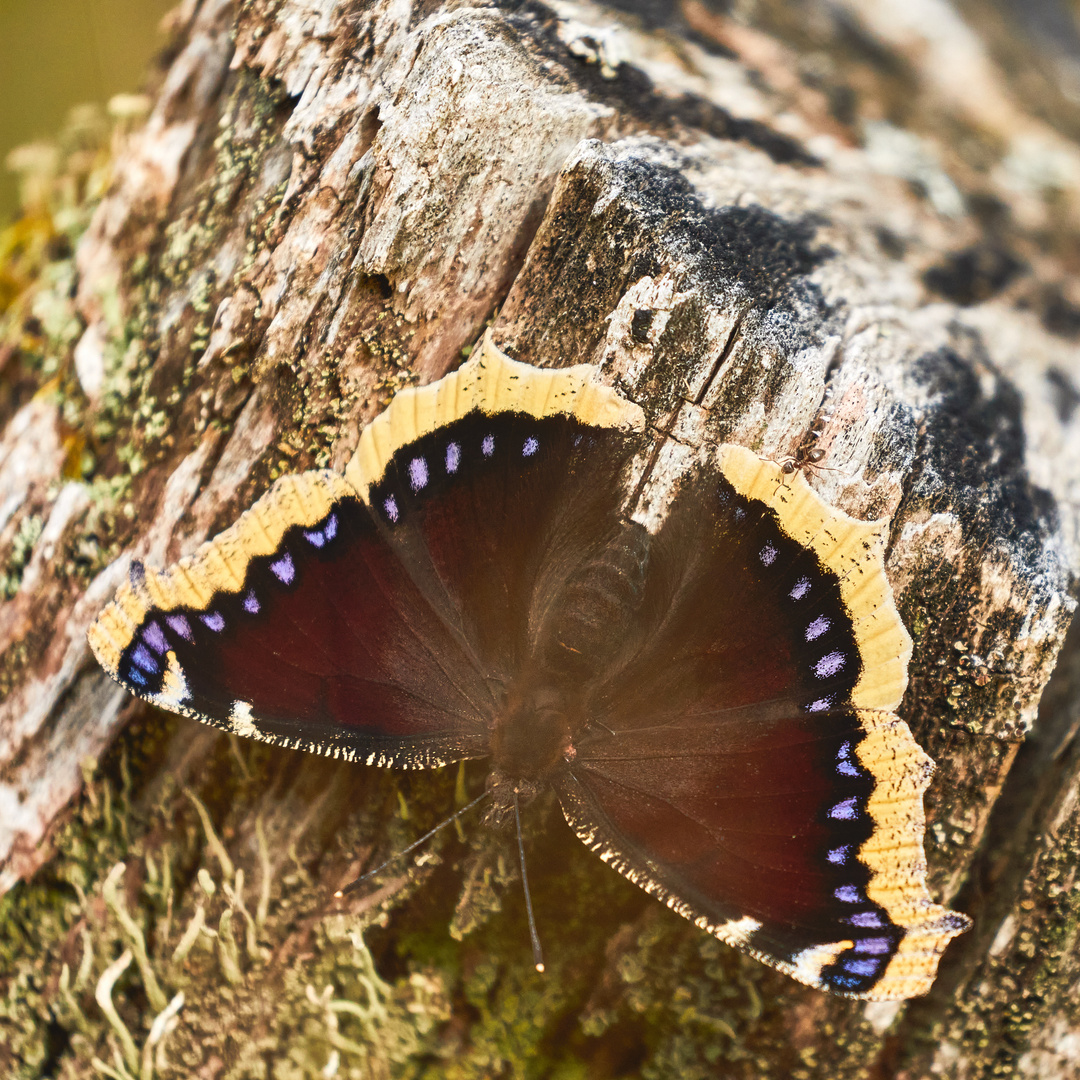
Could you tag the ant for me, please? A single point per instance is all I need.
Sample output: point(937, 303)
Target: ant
point(808, 455)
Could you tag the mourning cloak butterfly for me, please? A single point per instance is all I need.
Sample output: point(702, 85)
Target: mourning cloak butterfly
point(710, 694)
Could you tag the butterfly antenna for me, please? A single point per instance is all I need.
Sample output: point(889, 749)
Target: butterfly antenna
point(538, 956)
point(354, 885)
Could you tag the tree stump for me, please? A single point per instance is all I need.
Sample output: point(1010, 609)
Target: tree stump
point(848, 221)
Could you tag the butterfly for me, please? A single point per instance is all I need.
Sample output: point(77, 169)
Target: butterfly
point(706, 680)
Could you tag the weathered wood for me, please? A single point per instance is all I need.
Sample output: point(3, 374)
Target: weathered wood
point(329, 201)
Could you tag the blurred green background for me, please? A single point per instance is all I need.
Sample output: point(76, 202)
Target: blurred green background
point(55, 54)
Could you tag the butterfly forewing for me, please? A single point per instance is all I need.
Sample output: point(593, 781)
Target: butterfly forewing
point(324, 643)
point(743, 817)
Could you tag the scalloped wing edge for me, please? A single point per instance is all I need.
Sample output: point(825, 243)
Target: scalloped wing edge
point(301, 499)
point(895, 854)
point(490, 382)
point(854, 550)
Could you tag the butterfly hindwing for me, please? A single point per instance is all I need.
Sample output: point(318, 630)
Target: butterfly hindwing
point(531, 494)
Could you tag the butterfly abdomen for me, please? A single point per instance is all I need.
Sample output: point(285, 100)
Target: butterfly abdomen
point(589, 618)
point(585, 625)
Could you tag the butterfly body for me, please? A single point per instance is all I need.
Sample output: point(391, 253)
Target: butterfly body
point(709, 692)
point(590, 617)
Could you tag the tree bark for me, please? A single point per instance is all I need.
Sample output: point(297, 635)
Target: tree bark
point(849, 213)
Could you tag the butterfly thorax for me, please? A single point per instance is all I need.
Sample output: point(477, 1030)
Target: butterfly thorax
point(532, 733)
point(531, 738)
point(581, 634)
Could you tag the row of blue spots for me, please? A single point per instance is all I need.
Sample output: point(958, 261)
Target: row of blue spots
point(418, 470)
point(283, 568)
point(875, 951)
point(879, 948)
point(831, 663)
point(846, 810)
point(143, 663)
point(872, 953)
point(143, 658)
point(868, 955)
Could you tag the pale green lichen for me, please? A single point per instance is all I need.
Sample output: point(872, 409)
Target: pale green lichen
point(22, 547)
point(164, 929)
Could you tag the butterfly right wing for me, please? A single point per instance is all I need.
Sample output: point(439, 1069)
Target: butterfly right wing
point(742, 766)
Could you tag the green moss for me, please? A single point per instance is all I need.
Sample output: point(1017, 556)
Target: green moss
point(278, 981)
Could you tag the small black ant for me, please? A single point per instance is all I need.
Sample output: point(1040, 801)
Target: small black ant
point(808, 455)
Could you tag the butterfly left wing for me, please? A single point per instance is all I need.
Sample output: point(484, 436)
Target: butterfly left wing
point(299, 626)
point(379, 616)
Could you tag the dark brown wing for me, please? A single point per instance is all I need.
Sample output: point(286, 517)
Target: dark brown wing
point(384, 630)
point(728, 768)
point(300, 626)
